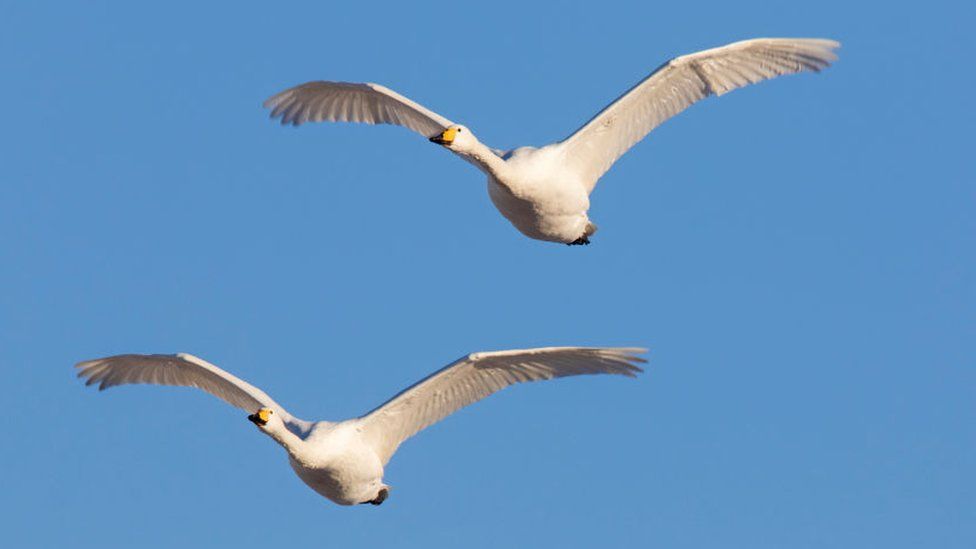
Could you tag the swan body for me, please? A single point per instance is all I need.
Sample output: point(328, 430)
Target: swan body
point(544, 192)
point(338, 463)
point(344, 461)
point(545, 200)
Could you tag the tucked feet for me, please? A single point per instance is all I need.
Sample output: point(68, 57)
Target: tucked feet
point(587, 233)
point(380, 497)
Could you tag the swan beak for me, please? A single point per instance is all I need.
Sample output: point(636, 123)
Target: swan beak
point(261, 417)
point(445, 138)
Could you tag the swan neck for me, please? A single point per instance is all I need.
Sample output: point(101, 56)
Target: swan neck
point(485, 160)
point(287, 439)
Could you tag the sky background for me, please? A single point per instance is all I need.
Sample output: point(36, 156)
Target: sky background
point(798, 256)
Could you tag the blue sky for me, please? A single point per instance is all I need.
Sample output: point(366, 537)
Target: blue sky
point(798, 255)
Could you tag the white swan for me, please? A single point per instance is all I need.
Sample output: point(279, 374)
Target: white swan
point(545, 192)
point(344, 461)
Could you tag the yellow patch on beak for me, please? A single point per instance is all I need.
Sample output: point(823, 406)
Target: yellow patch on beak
point(261, 417)
point(446, 137)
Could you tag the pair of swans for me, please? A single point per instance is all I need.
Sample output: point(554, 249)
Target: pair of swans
point(543, 192)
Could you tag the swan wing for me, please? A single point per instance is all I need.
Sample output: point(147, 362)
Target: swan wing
point(474, 377)
point(183, 370)
point(368, 103)
point(681, 82)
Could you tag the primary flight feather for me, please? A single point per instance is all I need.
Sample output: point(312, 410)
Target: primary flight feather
point(544, 192)
point(344, 461)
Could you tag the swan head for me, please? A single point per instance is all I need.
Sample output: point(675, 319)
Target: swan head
point(262, 418)
point(455, 137)
point(272, 424)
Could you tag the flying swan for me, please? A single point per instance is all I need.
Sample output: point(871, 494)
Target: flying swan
point(545, 192)
point(344, 461)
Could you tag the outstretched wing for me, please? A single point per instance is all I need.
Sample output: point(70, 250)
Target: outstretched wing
point(478, 375)
point(351, 102)
point(182, 370)
point(681, 82)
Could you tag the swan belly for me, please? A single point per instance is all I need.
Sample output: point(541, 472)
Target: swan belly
point(556, 213)
point(339, 466)
point(346, 482)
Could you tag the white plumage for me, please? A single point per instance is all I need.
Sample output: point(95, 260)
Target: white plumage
point(344, 461)
point(544, 192)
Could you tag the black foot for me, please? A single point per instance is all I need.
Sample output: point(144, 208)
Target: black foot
point(380, 497)
point(581, 241)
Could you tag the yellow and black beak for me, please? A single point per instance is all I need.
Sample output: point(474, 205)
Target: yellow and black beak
point(446, 137)
point(261, 417)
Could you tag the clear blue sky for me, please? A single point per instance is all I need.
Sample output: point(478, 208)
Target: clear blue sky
point(798, 255)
